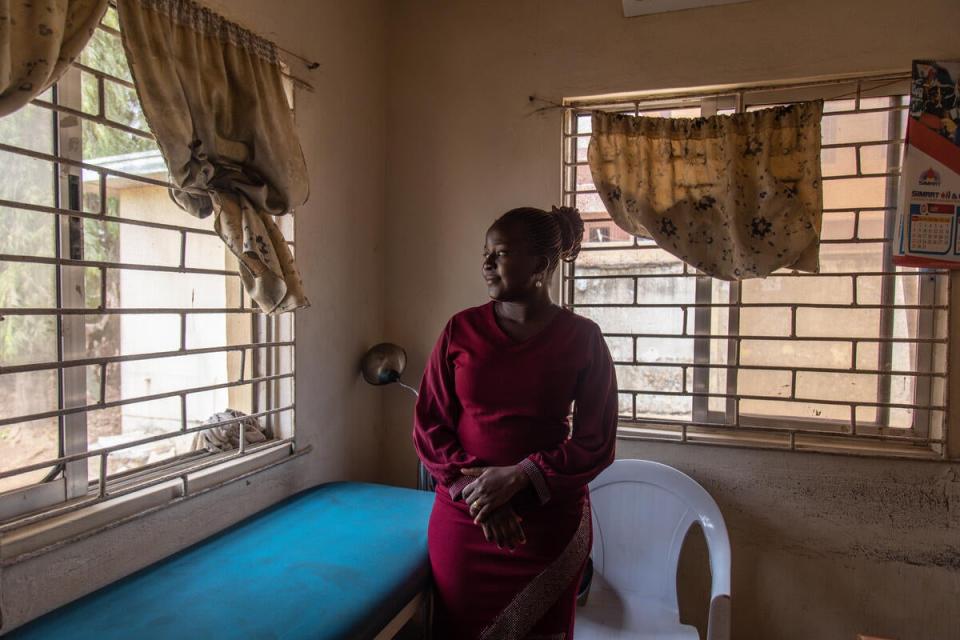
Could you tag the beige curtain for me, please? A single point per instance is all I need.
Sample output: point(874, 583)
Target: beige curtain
point(213, 96)
point(38, 41)
point(735, 196)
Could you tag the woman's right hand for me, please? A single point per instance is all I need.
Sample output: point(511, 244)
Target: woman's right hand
point(503, 528)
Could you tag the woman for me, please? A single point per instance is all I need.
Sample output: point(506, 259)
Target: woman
point(510, 529)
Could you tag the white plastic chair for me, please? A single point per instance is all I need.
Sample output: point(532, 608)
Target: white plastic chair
point(642, 511)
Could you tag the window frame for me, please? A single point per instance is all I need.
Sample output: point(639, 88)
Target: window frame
point(724, 426)
point(270, 351)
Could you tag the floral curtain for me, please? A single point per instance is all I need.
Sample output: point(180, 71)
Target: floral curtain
point(213, 96)
point(38, 41)
point(735, 196)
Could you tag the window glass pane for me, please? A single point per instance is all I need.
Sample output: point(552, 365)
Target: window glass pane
point(26, 233)
point(25, 180)
point(111, 19)
point(101, 241)
point(138, 421)
point(667, 408)
point(203, 405)
point(833, 417)
point(838, 225)
point(621, 349)
point(855, 127)
point(794, 353)
point(591, 207)
point(89, 94)
point(764, 382)
point(218, 330)
point(26, 284)
point(104, 52)
point(880, 158)
point(90, 279)
point(122, 106)
point(115, 149)
point(27, 339)
point(147, 246)
point(140, 289)
point(28, 393)
point(150, 203)
point(26, 443)
point(838, 162)
point(208, 252)
point(789, 289)
point(31, 128)
point(625, 405)
point(605, 290)
point(582, 145)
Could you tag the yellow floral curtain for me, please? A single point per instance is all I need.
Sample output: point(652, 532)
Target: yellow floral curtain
point(213, 96)
point(735, 196)
point(38, 41)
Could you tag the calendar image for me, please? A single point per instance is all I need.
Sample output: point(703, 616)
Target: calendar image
point(927, 233)
point(932, 228)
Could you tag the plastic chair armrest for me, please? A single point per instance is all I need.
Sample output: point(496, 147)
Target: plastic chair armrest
point(718, 625)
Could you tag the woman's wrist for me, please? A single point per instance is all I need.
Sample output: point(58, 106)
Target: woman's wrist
point(520, 478)
point(535, 479)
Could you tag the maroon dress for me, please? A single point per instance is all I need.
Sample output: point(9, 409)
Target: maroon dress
point(489, 400)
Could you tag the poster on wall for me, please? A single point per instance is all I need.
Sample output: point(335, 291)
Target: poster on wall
point(928, 229)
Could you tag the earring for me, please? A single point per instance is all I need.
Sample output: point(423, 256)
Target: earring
point(539, 283)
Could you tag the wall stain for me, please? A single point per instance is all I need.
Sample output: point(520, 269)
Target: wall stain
point(945, 559)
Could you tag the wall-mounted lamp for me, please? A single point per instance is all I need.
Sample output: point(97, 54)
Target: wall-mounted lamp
point(383, 364)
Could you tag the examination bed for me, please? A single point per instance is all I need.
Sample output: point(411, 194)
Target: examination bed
point(339, 561)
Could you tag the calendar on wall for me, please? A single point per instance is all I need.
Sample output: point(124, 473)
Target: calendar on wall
point(932, 229)
point(927, 229)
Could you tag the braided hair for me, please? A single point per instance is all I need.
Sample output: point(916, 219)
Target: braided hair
point(554, 234)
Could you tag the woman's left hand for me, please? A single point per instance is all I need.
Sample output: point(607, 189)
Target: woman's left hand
point(493, 488)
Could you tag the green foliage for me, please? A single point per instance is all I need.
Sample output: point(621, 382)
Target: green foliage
point(105, 53)
point(28, 233)
point(26, 338)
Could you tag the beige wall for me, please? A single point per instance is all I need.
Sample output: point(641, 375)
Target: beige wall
point(824, 546)
point(341, 129)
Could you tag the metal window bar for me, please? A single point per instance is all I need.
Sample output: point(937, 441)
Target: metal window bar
point(699, 311)
point(68, 215)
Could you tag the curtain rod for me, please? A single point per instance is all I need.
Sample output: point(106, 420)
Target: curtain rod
point(884, 80)
point(309, 63)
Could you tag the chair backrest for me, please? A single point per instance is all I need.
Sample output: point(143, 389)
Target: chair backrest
point(642, 511)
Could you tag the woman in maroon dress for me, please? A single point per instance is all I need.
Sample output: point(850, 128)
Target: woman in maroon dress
point(510, 529)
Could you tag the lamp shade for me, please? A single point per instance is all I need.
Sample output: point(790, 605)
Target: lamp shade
point(383, 363)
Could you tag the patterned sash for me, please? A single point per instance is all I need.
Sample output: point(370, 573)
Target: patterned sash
point(530, 605)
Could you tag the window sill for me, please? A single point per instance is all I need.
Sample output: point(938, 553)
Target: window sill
point(37, 538)
point(775, 439)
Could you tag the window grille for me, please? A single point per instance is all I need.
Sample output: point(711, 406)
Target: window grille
point(123, 322)
point(852, 359)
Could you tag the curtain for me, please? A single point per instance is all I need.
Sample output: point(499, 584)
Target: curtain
point(735, 196)
point(38, 41)
point(213, 96)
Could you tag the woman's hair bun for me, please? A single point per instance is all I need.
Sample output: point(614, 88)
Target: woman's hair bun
point(571, 232)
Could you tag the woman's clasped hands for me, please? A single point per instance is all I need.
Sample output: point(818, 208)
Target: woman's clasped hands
point(489, 496)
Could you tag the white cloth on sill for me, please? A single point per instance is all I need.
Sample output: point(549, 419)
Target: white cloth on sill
point(227, 437)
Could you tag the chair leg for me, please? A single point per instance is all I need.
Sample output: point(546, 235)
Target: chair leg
point(427, 614)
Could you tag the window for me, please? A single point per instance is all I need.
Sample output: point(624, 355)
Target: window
point(599, 233)
point(124, 323)
point(851, 359)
